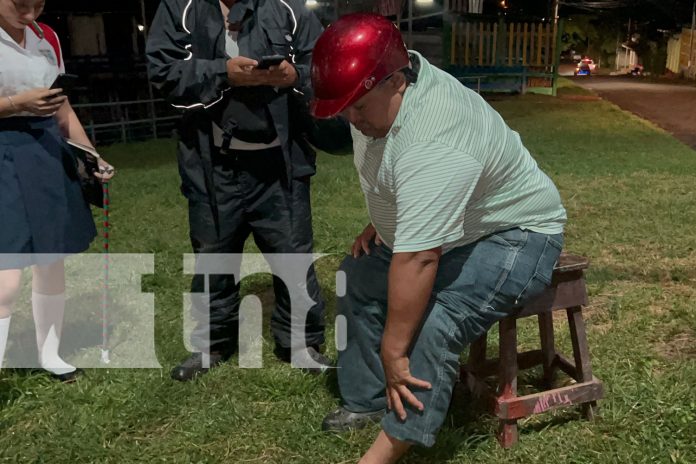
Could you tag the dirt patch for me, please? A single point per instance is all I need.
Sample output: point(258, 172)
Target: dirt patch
point(646, 261)
point(678, 347)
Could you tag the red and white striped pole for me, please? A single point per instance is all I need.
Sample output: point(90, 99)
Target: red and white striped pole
point(105, 289)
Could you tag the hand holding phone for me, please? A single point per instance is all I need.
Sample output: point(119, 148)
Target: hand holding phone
point(246, 72)
point(66, 82)
point(282, 75)
point(270, 60)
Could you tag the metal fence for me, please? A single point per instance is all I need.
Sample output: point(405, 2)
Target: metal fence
point(127, 121)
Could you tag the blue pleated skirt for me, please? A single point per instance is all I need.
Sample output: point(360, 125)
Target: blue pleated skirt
point(42, 209)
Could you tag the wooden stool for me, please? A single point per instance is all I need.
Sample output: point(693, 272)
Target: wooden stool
point(567, 292)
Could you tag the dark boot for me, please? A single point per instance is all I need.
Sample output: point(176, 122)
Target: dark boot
point(193, 366)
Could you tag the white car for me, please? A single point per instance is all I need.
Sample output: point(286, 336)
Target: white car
point(589, 62)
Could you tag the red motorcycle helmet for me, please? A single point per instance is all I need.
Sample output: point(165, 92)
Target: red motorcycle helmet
point(351, 57)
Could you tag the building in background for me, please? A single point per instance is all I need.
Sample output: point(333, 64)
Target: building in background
point(104, 43)
point(681, 53)
point(626, 59)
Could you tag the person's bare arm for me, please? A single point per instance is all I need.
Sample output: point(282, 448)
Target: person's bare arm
point(41, 102)
point(411, 280)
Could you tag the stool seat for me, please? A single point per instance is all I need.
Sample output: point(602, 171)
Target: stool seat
point(568, 262)
point(567, 292)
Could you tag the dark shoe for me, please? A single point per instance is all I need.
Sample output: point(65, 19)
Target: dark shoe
point(192, 366)
point(342, 420)
point(311, 356)
point(68, 377)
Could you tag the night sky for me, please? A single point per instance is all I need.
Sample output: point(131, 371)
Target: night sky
point(664, 13)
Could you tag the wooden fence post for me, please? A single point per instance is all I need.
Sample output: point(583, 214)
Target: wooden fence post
point(502, 40)
point(511, 42)
point(494, 51)
point(466, 44)
point(548, 59)
point(481, 44)
point(540, 41)
point(524, 44)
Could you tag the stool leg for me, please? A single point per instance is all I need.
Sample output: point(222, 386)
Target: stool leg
point(472, 371)
point(507, 388)
point(548, 348)
point(581, 354)
point(477, 354)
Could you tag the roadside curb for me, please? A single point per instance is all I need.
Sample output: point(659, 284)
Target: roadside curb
point(580, 97)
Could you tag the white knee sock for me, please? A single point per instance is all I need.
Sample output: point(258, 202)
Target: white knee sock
point(4, 335)
point(48, 321)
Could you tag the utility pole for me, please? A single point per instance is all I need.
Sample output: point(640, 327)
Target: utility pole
point(691, 46)
point(556, 46)
point(556, 9)
point(629, 29)
point(550, 9)
point(628, 46)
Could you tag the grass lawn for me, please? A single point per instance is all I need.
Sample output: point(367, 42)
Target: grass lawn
point(629, 191)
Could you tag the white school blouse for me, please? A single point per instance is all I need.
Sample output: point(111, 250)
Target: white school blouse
point(35, 66)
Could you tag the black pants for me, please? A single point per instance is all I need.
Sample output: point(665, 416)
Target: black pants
point(253, 199)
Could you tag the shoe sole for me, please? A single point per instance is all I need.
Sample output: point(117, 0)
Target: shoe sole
point(70, 377)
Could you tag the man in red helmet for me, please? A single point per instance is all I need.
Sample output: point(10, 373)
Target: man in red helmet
point(464, 227)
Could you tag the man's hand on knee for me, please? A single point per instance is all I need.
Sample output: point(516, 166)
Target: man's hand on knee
point(398, 378)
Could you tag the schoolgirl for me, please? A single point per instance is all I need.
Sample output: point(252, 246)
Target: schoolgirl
point(42, 208)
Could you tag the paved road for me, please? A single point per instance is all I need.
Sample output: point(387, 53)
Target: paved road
point(672, 107)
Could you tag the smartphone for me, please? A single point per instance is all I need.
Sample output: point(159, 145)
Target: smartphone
point(271, 60)
point(66, 82)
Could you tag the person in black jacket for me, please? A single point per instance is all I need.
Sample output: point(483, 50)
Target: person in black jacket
point(244, 162)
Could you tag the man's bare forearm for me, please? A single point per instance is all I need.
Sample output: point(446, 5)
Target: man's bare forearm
point(411, 280)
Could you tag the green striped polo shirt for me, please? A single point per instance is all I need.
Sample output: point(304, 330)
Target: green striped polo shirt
point(451, 171)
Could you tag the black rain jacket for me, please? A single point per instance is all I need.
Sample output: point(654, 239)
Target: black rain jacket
point(187, 62)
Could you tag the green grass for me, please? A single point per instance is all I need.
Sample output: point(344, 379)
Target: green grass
point(628, 188)
point(566, 87)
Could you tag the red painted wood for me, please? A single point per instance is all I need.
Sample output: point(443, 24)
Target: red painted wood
point(568, 292)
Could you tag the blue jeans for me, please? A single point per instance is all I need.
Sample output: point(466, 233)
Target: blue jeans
point(476, 285)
